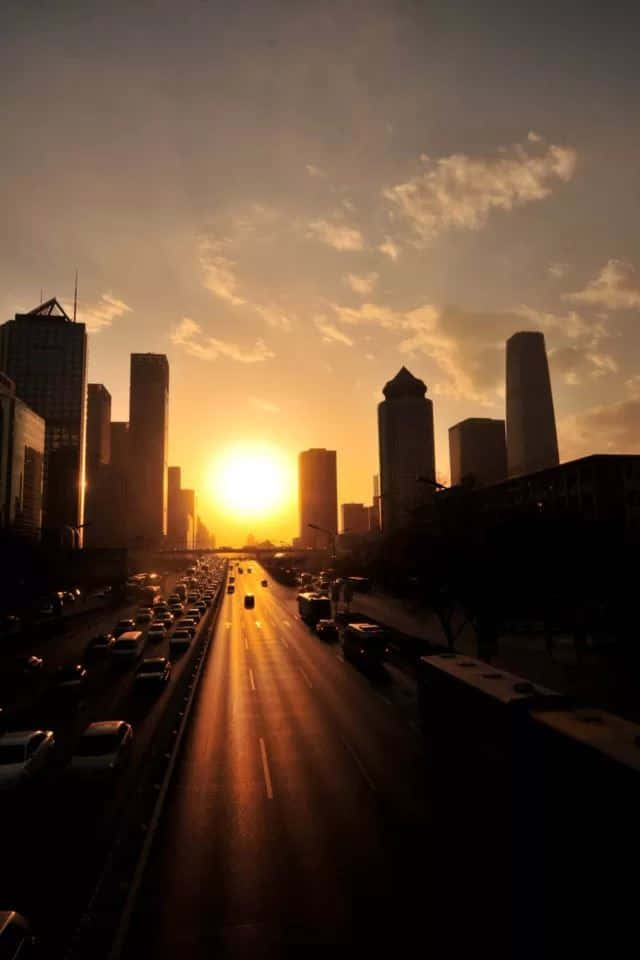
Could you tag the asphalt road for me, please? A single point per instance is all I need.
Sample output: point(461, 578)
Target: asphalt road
point(300, 811)
point(55, 837)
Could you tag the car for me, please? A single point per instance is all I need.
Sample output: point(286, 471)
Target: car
point(201, 605)
point(194, 612)
point(16, 939)
point(153, 671)
point(180, 640)
point(46, 608)
point(193, 597)
point(26, 667)
point(176, 609)
point(208, 597)
point(173, 598)
point(231, 588)
point(102, 748)
point(327, 630)
point(249, 601)
point(166, 618)
point(123, 626)
point(128, 646)
point(240, 570)
point(248, 569)
point(24, 755)
point(157, 632)
point(161, 607)
point(264, 583)
point(187, 623)
point(144, 615)
point(70, 678)
point(99, 645)
point(232, 579)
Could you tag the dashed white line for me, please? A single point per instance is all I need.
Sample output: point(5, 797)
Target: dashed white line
point(286, 623)
point(265, 770)
point(305, 677)
point(246, 642)
point(284, 641)
point(360, 765)
point(252, 679)
point(258, 624)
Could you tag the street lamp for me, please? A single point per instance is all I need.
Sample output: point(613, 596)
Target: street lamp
point(433, 483)
point(330, 534)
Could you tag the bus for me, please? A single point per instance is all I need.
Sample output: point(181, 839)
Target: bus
point(364, 644)
point(313, 607)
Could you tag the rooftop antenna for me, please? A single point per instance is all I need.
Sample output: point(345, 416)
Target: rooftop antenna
point(75, 298)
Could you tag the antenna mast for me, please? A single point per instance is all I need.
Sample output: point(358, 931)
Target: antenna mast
point(75, 298)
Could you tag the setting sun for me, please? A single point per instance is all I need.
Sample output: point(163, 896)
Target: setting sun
point(251, 481)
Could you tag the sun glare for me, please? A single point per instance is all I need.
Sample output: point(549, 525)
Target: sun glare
point(251, 481)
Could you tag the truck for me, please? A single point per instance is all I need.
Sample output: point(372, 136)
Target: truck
point(313, 607)
point(364, 644)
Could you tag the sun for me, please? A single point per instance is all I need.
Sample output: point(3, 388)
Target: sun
point(251, 481)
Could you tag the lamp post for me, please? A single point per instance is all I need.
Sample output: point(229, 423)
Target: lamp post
point(330, 534)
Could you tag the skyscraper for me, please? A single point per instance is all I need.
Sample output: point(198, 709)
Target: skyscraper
point(405, 430)
point(478, 449)
point(148, 431)
point(45, 353)
point(120, 445)
point(532, 443)
point(21, 464)
point(175, 535)
point(318, 497)
point(98, 429)
point(189, 518)
point(355, 518)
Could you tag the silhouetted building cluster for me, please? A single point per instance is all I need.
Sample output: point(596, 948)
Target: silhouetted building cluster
point(22, 434)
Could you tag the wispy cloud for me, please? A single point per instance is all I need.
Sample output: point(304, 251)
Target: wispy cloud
point(574, 363)
point(314, 171)
point(611, 289)
point(362, 283)
point(460, 191)
point(390, 249)
point(331, 333)
point(188, 335)
point(101, 314)
point(264, 405)
point(608, 428)
point(336, 235)
point(219, 272)
point(557, 270)
point(274, 316)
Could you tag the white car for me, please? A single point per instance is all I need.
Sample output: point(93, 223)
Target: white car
point(102, 748)
point(24, 754)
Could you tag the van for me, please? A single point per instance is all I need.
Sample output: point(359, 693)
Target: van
point(249, 601)
point(128, 646)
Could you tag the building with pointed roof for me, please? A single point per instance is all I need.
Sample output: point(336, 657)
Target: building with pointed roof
point(45, 353)
point(405, 431)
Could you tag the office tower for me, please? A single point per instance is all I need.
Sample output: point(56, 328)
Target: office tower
point(22, 438)
point(174, 508)
point(355, 518)
point(478, 451)
point(405, 430)
point(318, 497)
point(112, 524)
point(188, 519)
point(119, 446)
point(373, 518)
point(532, 443)
point(148, 432)
point(45, 353)
point(204, 539)
point(375, 511)
point(98, 429)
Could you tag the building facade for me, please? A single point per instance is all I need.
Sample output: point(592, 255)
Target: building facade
point(175, 531)
point(318, 497)
point(478, 450)
point(22, 442)
point(148, 438)
point(532, 443)
point(188, 518)
point(405, 431)
point(98, 429)
point(45, 353)
point(355, 518)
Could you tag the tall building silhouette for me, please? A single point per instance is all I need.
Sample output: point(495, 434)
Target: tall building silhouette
point(405, 431)
point(175, 536)
point(188, 518)
point(318, 497)
point(21, 464)
point(98, 494)
point(478, 449)
point(532, 443)
point(44, 352)
point(355, 518)
point(148, 435)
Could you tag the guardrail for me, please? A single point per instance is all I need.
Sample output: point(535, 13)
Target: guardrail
point(102, 927)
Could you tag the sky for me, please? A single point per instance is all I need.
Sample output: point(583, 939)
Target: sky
point(294, 199)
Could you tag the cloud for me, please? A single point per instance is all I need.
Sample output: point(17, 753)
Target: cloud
point(460, 192)
point(534, 137)
point(362, 282)
point(219, 274)
point(264, 405)
point(188, 335)
point(331, 333)
point(571, 324)
point(611, 289)
point(557, 270)
point(390, 249)
point(574, 363)
point(612, 428)
point(274, 316)
point(99, 315)
point(336, 235)
point(314, 171)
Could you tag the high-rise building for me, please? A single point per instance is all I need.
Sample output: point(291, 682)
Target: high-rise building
point(149, 432)
point(45, 353)
point(532, 443)
point(405, 429)
point(22, 434)
point(189, 518)
point(119, 446)
point(375, 511)
point(478, 450)
point(355, 518)
point(175, 526)
point(318, 497)
point(98, 429)
point(112, 525)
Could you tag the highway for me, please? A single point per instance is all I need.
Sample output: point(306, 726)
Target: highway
point(300, 810)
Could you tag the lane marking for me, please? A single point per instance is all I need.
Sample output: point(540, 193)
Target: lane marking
point(251, 678)
point(360, 765)
point(227, 625)
point(286, 623)
point(265, 769)
point(258, 625)
point(306, 678)
point(284, 641)
point(246, 644)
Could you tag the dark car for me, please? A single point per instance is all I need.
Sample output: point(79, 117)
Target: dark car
point(187, 623)
point(231, 588)
point(327, 630)
point(69, 682)
point(264, 583)
point(123, 626)
point(249, 601)
point(27, 666)
point(153, 671)
point(99, 646)
point(180, 640)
